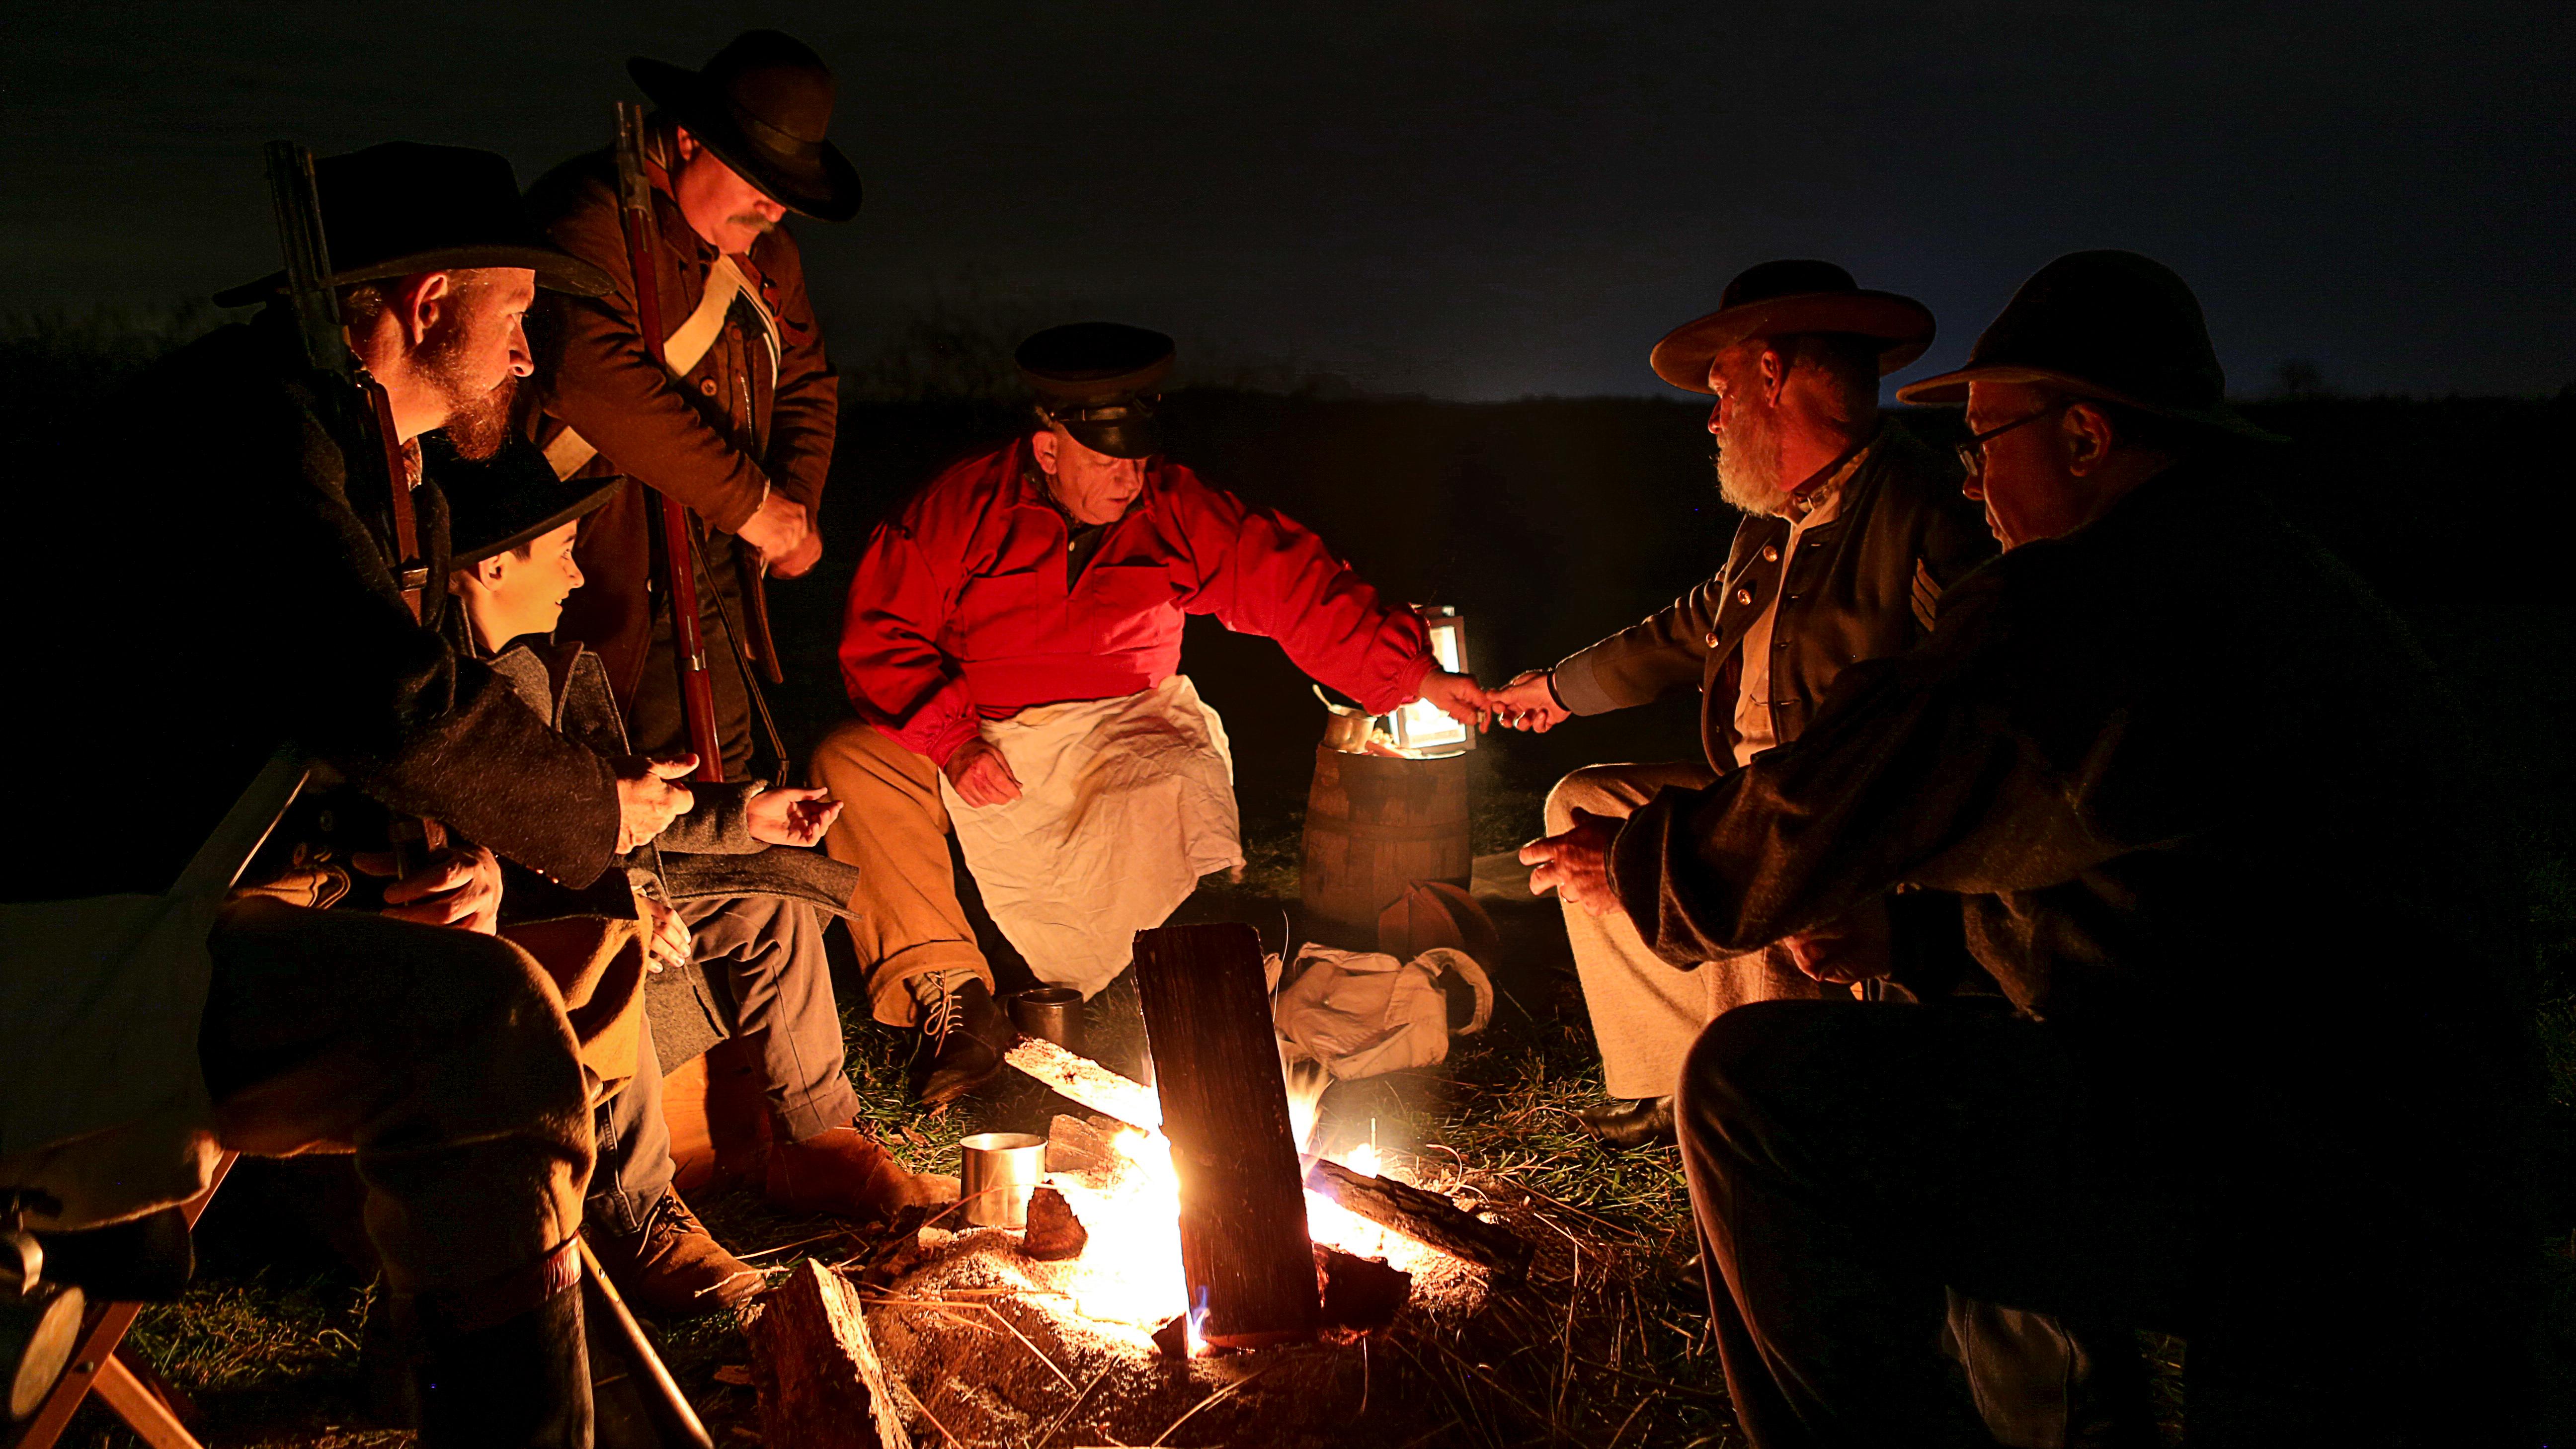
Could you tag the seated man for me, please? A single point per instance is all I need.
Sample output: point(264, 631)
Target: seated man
point(708, 893)
point(2206, 799)
point(1852, 530)
point(255, 607)
point(1012, 645)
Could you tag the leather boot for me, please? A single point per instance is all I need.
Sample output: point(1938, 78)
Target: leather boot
point(967, 1031)
point(673, 1268)
point(845, 1173)
point(1644, 1123)
point(521, 1383)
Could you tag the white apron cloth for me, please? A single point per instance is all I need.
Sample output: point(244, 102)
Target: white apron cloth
point(1124, 804)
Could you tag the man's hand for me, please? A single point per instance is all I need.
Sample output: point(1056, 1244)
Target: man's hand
point(791, 817)
point(647, 801)
point(1528, 703)
point(1458, 696)
point(1853, 946)
point(1576, 865)
point(778, 529)
point(796, 562)
point(457, 886)
point(666, 936)
point(981, 775)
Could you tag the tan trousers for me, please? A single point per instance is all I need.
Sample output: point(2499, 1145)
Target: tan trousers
point(906, 921)
point(1645, 1011)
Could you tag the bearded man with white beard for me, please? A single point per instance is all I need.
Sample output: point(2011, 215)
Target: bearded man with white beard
point(1852, 531)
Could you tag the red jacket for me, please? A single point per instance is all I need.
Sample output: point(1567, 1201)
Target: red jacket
point(959, 610)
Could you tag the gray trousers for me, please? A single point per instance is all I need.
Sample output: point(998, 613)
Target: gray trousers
point(763, 955)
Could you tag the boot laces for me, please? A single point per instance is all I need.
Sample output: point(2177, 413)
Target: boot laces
point(946, 1015)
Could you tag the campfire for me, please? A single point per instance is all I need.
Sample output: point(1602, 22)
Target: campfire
point(1152, 1281)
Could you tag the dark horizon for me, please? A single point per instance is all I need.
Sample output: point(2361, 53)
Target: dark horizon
point(1468, 202)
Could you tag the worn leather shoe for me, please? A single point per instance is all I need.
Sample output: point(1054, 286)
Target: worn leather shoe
point(844, 1172)
point(674, 1268)
point(967, 1031)
point(1645, 1123)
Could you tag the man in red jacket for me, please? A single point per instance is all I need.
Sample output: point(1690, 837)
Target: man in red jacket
point(1013, 644)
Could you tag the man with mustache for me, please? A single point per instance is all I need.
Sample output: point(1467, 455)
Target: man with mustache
point(257, 607)
point(1852, 530)
point(743, 436)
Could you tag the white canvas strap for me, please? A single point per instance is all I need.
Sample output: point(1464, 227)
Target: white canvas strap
point(570, 451)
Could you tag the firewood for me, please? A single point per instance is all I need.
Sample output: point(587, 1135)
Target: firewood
point(1082, 1144)
point(1054, 1233)
point(1427, 1216)
point(1087, 1081)
point(1172, 1340)
point(822, 1384)
point(1360, 1294)
point(1244, 1250)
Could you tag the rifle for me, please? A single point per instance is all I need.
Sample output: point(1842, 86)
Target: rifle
point(676, 544)
point(353, 404)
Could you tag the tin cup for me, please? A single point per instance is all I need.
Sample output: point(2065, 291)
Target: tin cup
point(1052, 1012)
point(999, 1171)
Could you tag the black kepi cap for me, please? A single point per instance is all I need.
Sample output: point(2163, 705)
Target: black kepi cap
point(403, 208)
point(1100, 380)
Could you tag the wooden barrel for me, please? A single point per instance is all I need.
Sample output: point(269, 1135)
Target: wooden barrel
point(1373, 826)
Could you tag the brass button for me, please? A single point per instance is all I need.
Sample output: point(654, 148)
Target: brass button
point(1770, 553)
point(1712, 638)
point(707, 385)
point(1744, 596)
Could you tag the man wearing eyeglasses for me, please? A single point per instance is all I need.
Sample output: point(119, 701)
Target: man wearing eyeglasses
point(2223, 845)
point(1852, 531)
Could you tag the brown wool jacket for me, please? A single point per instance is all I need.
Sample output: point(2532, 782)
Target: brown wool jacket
point(1863, 586)
point(738, 425)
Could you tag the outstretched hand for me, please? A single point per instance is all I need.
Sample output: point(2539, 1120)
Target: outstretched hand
point(790, 816)
point(1528, 703)
point(1576, 865)
point(1458, 696)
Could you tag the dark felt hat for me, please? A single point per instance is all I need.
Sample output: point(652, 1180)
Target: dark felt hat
point(1791, 299)
point(762, 105)
point(2111, 325)
point(403, 208)
point(496, 504)
point(1099, 379)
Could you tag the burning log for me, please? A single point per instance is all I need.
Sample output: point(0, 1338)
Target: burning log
point(1244, 1251)
point(1092, 1084)
point(1427, 1216)
point(1054, 1233)
point(1360, 1294)
point(822, 1385)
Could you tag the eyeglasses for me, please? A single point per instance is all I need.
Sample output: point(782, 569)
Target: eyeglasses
point(1972, 453)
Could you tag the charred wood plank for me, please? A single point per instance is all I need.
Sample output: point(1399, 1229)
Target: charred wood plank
point(1244, 1250)
point(1087, 1081)
point(1423, 1215)
point(1360, 1294)
point(1080, 1144)
point(822, 1385)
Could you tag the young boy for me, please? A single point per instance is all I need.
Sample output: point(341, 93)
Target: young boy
point(712, 931)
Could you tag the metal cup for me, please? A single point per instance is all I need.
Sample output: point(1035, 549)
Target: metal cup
point(1052, 1012)
point(999, 1170)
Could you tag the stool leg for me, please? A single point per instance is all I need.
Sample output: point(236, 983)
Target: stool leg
point(141, 1409)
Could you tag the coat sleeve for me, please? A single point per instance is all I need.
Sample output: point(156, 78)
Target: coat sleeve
point(1261, 572)
point(1915, 771)
point(898, 678)
point(805, 410)
point(605, 384)
point(1666, 652)
point(718, 822)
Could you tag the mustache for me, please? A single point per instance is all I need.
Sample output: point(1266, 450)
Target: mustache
point(754, 220)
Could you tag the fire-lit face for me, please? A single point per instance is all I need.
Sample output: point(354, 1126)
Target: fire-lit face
point(2030, 482)
point(1746, 424)
point(725, 210)
point(1092, 486)
point(473, 352)
point(522, 591)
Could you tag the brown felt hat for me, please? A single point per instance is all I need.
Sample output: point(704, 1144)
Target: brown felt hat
point(762, 105)
point(404, 208)
point(496, 504)
point(1791, 299)
point(2111, 325)
point(1099, 379)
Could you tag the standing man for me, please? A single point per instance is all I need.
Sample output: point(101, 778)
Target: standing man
point(1852, 531)
point(1013, 646)
point(263, 589)
point(2222, 848)
point(743, 434)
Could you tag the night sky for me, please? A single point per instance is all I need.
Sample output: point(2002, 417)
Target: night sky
point(1470, 200)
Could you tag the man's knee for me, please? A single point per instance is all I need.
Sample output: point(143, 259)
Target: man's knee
point(858, 757)
point(1590, 788)
point(1750, 1060)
